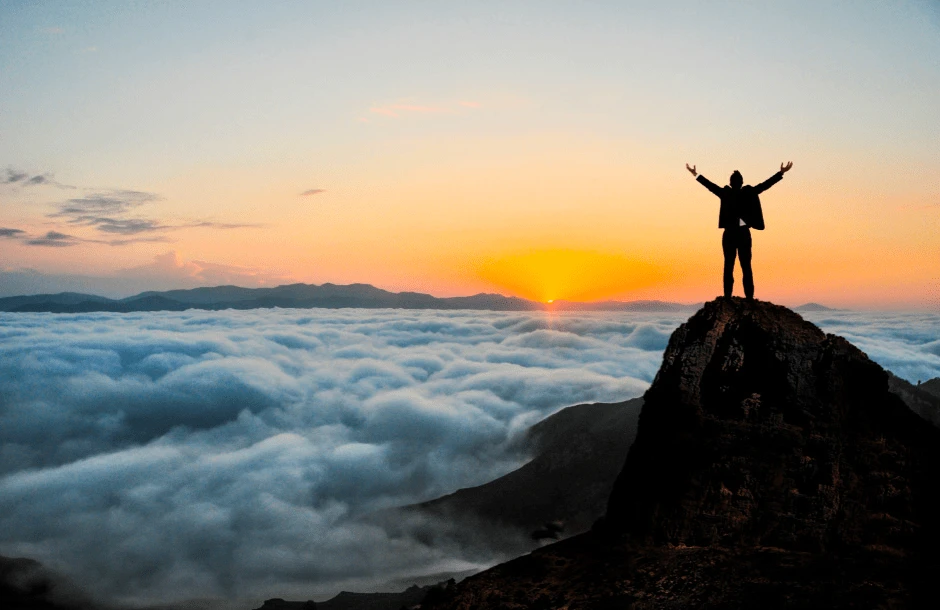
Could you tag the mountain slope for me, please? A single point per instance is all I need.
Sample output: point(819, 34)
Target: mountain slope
point(62, 298)
point(919, 398)
point(931, 386)
point(578, 453)
point(26, 584)
point(772, 468)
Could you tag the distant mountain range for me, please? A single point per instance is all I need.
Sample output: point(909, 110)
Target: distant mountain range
point(306, 296)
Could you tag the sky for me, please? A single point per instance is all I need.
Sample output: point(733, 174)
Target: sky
point(529, 148)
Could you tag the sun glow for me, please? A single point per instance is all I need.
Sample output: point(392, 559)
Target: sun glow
point(574, 275)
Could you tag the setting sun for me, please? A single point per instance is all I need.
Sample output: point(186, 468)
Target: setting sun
point(574, 275)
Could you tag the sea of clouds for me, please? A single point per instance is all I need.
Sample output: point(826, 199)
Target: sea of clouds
point(905, 343)
point(161, 456)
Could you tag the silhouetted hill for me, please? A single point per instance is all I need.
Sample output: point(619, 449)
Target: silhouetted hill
point(359, 601)
point(276, 603)
point(62, 298)
point(205, 295)
point(918, 398)
point(772, 468)
point(26, 585)
point(302, 296)
point(148, 303)
point(813, 307)
point(376, 601)
point(931, 386)
point(577, 455)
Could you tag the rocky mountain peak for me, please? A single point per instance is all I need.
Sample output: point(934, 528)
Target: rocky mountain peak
point(760, 429)
point(771, 464)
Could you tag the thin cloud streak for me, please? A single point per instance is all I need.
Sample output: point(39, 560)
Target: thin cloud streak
point(54, 239)
point(107, 212)
point(133, 240)
point(110, 212)
point(21, 178)
point(80, 209)
point(58, 240)
point(208, 224)
point(311, 192)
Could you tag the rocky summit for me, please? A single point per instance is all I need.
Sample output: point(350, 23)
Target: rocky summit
point(772, 468)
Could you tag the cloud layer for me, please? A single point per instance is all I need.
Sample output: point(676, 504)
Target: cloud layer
point(174, 455)
point(230, 453)
point(907, 344)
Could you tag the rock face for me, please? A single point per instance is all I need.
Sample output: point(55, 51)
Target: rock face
point(931, 386)
point(25, 584)
point(578, 453)
point(921, 398)
point(772, 468)
point(762, 430)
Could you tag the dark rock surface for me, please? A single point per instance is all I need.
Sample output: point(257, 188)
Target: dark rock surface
point(377, 601)
point(931, 386)
point(577, 455)
point(26, 584)
point(277, 603)
point(919, 398)
point(772, 468)
point(347, 600)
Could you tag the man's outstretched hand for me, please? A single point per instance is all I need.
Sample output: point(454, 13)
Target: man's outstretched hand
point(694, 173)
point(783, 168)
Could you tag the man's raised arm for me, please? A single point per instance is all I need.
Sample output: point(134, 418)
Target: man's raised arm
point(714, 188)
point(766, 184)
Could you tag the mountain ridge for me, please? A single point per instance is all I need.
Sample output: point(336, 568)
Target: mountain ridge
point(562, 490)
point(307, 296)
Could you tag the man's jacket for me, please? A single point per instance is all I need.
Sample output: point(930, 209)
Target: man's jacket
point(743, 203)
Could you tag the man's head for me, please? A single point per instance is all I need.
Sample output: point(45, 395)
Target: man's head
point(737, 180)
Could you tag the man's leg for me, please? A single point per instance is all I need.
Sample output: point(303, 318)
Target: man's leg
point(744, 254)
point(729, 247)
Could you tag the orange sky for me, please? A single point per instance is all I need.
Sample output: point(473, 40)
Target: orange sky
point(453, 151)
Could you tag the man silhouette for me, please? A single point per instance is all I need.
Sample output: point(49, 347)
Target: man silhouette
point(740, 210)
